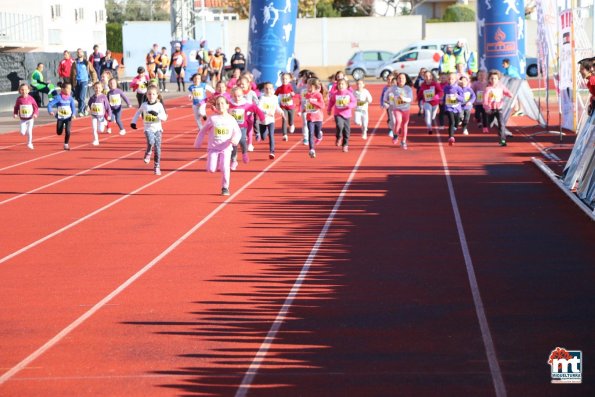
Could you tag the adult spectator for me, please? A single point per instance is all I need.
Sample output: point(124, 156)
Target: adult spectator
point(216, 66)
point(150, 59)
point(109, 64)
point(178, 63)
point(460, 53)
point(162, 62)
point(510, 70)
point(95, 58)
point(448, 61)
point(40, 85)
point(81, 74)
point(238, 60)
point(203, 58)
point(64, 67)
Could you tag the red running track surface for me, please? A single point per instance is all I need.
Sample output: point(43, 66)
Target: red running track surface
point(116, 282)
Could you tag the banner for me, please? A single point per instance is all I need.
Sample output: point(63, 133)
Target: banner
point(582, 153)
point(566, 71)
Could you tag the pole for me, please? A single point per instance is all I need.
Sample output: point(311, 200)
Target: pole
point(203, 16)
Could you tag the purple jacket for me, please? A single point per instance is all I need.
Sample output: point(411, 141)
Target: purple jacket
point(115, 98)
point(99, 106)
point(453, 98)
point(468, 98)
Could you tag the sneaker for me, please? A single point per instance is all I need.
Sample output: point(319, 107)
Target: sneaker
point(395, 140)
point(519, 113)
point(364, 136)
point(465, 132)
point(147, 158)
point(285, 138)
point(502, 142)
point(391, 133)
point(338, 142)
point(480, 125)
point(122, 132)
point(234, 165)
point(66, 146)
point(312, 154)
point(85, 113)
point(95, 142)
point(224, 191)
point(305, 141)
point(109, 130)
point(345, 149)
point(485, 130)
point(318, 140)
point(250, 147)
point(404, 145)
point(430, 132)
point(272, 156)
point(291, 129)
point(245, 158)
point(157, 171)
point(30, 146)
point(451, 141)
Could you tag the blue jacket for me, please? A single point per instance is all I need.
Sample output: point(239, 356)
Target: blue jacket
point(62, 103)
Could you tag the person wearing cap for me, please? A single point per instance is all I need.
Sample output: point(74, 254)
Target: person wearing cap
point(150, 59)
point(178, 63)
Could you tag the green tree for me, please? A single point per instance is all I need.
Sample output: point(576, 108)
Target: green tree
point(458, 13)
point(113, 31)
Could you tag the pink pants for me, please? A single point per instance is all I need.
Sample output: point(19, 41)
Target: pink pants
point(220, 160)
point(401, 119)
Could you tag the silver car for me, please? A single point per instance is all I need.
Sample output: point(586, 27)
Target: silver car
point(366, 63)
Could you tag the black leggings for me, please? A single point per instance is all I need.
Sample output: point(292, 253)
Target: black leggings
point(289, 115)
point(314, 131)
point(453, 121)
point(481, 116)
point(495, 114)
point(343, 129)
point(64, 124)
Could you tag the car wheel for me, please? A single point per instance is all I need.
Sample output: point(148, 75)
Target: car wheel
point(358, 74)
point(532, 70)
point(384, 75)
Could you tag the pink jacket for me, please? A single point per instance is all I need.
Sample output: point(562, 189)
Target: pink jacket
point(343, 102)
point(314, 103)
point(26, 108)
point(493, 96)
point(223, 132)
point(242, 110)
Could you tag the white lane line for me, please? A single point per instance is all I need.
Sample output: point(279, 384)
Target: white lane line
point(486, 335)
point(82, 172)
point(260, 356)
point(53, 341)
point(79, 146)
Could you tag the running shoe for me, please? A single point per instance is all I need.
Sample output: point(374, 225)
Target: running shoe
point(272, 156)
point(234, 165)
point(285, 138)
point(312, 154)
point(157, 171)
point(345, 149)
point(245, 158)
point(451, 141)
point(224, 191)
point(30, 146)
point(147, 158)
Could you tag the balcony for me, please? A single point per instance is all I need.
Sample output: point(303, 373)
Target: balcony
point(19, 31)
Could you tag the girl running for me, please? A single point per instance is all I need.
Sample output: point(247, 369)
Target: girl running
point(468, 100)
point(285, 94)
point(64, 112)
point(153, 113)
point(269, 104)
point(493, 101)
point(239, 108)
point(100, 110)
point(25, 108)
point(343, 101)
point(479, 87)
point(402, 96)
point(453, 98)
point(314, 105)
point(198, 95)
point(223, 132)
point(115, 97)
point(363, 99)
point(139, 84)
point(431, 92)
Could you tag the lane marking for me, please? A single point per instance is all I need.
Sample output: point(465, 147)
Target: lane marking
point(486, 335)
point(80, 320)
point(260, 356)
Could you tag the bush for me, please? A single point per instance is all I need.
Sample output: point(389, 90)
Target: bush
point(113, 31)
point(459, 13)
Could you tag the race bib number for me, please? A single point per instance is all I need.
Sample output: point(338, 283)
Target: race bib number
point(399, 100)
point(142, 87)
point(361, 103)
point(26, 111)
point(239, 115)
point(451, 99)
point(286, 99)
point(310, 108)
point(467, 96)
point(342, 101)
point(429, 94)
point(149, 118)
point(267, 108)
point(495, 95)
point(479, 96)
point(64, 112)
point(97, 109)
point(115, 100)
point(221, 131)
point(198, 94)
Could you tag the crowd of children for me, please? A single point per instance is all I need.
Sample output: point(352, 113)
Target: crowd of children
point(248, 112)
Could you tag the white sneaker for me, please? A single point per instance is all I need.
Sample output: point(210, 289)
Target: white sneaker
point(364, 135)
point(465, 132)
point(291, 129)
point(109, 131)
point(122, 132)
point(157, 171)
point(285, 138)
point(66, 146)
point(96, 143)
point(30, 146)
point(250, 147)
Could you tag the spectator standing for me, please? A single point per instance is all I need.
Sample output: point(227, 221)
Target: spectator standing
point(95, 58)
point(178, 62)
point(238, 60)
point(151, 65)
point(81, 74)
point(64, 67)
point(109, 64)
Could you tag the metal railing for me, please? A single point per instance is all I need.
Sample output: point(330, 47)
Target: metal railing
point(19, 29)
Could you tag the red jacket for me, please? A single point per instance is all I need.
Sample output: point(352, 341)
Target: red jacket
point(64, 67)
point(286, 96)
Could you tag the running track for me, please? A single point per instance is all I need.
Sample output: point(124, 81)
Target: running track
point(437, 271)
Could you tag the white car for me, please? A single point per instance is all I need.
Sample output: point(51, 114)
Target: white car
point(411, 62)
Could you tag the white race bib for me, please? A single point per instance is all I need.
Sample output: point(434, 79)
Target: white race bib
point(286, 99)
point(451, 99)
point(64, 112)
point(429, 94)
point(26, 111)
point(97, 109)
point(342, 101)
point(115, 100)
point(239, 114)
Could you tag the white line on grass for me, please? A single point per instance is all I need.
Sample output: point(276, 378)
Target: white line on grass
point(486, 335)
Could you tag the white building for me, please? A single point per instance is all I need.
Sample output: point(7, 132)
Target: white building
point(52, 25)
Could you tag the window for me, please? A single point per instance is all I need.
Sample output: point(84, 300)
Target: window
point(99, 17)
point(385, 56)
point(56, 11)
point(370, 56)
point(410, 56)
point(79, 14)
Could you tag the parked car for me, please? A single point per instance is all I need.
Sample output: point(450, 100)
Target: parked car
point(366, 63)
point(436, 44)
point(411, 62)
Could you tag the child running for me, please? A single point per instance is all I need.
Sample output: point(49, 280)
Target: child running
point(363, 99)
point(402, 96)
point(245, 84)
point(198, 94)
point(389, 115)
point(115, 97)
point(269, 104)
point(101, 111)
point(453, 98)
point(25, 108)
point(223, 132)
point(343, 101)
point(153, 114)
point(285, 94)
point(139, 84)
point(493, 101)
point(468, 100)
point(303, 88)
point(239, 108)
point(431, 91)
point(314, 105)
point(64, 112)
point(479, 86)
